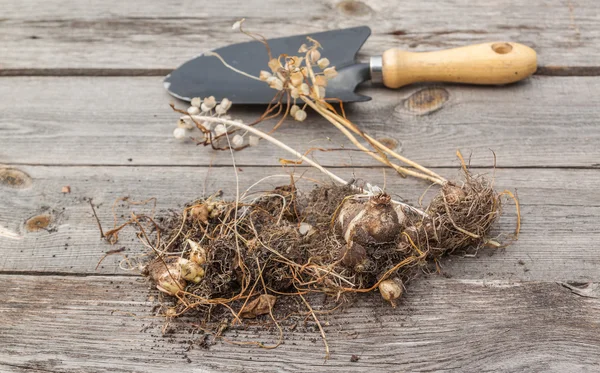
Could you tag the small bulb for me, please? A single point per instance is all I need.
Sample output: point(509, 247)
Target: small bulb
point(300, 115)
point(303, 49)
point(192, 110)
point(323, 63)
point(253, 140)
point(196, 102)
point(179, 133)
point(294, 109)
point(330, 72)
point(391, 290)
point(237, 141)
point(220, 129)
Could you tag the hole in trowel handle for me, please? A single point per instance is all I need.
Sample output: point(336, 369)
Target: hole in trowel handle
point(502, 48)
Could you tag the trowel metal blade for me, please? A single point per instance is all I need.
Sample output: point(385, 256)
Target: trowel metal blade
point(207, 76)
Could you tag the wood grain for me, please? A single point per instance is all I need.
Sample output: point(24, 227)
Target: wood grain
point(113, 34)
point(542, 122)
point(559, 207)
point(105, 324)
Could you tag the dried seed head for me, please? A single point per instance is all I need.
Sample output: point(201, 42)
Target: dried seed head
point(196, 102)
point(253, 140)
point(264, 75)
point(321, 81)
point(275, 83)
point(237, 141)
point(300, 115)
point(294, 109)
point(192, 110)
point(314, 55)
point(180, 133)
point(330, 72)
point(391, 290)
point(323, 63)
point(305, 89)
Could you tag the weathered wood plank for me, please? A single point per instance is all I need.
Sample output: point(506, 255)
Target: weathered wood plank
point(73, 324)
point(558, 241)
point(543, 122)
point(38, 34)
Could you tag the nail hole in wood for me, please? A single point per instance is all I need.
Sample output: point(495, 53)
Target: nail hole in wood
point(502, 48)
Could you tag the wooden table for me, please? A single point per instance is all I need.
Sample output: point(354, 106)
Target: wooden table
point(82, 105)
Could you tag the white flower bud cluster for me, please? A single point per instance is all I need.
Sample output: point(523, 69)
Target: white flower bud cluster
point(199, 109)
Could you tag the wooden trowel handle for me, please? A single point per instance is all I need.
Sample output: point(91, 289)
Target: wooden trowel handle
point(488, 63)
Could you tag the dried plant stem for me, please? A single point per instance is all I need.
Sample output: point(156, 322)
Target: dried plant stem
point(384, 148)
point(334, 120)
point(273, 141)
point(312, 312)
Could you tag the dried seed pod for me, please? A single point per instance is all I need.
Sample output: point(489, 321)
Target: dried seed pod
point(264, 75)
point(196, 102)
point(300, 115)
point(179, 133)
point(323, 63)
point(192, 110)
point(391, 290)
point(314, 55)
point(321, 81)
point(330, 72)
point(296, 78)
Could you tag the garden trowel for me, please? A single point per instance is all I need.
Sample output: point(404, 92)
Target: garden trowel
point(488, 63)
